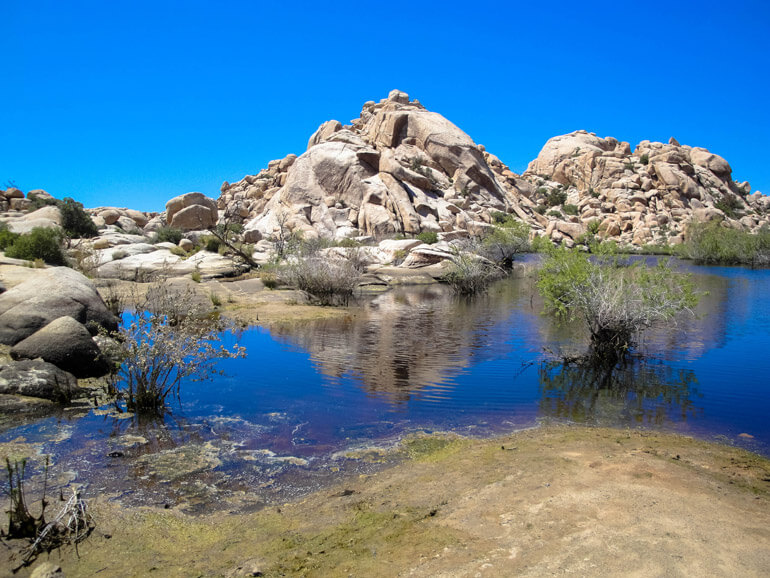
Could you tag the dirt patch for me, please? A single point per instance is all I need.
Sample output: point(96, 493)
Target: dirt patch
point(553, 500)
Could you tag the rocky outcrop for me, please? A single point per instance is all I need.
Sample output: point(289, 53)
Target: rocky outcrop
point(65, 343)
point(191, 212)
point(54, 293)
point(645, 195)
point(398, 168)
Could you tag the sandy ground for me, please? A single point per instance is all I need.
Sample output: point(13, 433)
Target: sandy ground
point(554, 500)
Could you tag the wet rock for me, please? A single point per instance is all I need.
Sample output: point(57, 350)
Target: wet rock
point(38, 378)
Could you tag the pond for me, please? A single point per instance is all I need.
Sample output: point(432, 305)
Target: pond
point(315, 398)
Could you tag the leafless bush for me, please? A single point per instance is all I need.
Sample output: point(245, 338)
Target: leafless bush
point(330, 281)
point(164, 342)
point(471, 274)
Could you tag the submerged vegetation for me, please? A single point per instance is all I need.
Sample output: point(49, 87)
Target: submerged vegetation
point(615, 299)
point(166, 341)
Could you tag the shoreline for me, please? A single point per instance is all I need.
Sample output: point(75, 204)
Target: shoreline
point(554, 498)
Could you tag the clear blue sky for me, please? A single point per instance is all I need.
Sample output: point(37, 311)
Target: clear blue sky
point(130, 103)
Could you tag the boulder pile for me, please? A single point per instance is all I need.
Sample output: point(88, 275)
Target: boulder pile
point(401, 169)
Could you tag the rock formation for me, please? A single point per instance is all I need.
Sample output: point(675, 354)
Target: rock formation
point(400, 168)
point(648, 195)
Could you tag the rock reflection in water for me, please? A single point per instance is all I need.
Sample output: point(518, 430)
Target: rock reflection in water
point(636, 393)
point(411, 338)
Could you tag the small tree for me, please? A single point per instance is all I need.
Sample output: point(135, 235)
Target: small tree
point(615, 300)
point(505, 241)
point(75, 221)
point(166, 341)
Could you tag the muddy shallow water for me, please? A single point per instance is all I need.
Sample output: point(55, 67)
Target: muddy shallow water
point(319, 397)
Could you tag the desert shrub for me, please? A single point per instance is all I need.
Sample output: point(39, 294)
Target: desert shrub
point(570, 209)
point(75, 221)
point(616, 301)
point(541, 209)
point(348, 243)
point(329, 281)
point(471, 274)
point(555, 213)
point(540, 244)
point(505, 241)
point(644, 159)
point(7, 238)
point(499, 218)
point(40, 243)
point(168, 235)
point(166, 341)
point(428, 237)
point(556, 198)
point(730, 206)
point(712, 243)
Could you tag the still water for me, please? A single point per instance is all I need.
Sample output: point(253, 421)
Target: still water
point(418, 359)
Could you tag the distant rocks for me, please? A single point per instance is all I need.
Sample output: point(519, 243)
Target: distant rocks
point(648, 195)
point(191, 212)
point(398, 168)
point(401, 169)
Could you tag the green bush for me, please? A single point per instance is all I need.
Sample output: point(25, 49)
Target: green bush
point(7, 238)
point(541, 209)
point(556, 198)
point(555, 213)
point(570, 209)
point(40, 243)
point(428, 237)
point(75, 221)
point(644, 159)
point(498, 217)
point(505, 241)
point(712, 243)
point(168, 235)
point(211, 244)
point(615, 300)
point(348, 243)
point(730, 206)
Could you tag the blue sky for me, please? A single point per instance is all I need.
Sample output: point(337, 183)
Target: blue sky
point(131, 103)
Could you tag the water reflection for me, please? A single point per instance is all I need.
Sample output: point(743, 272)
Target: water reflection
point(636, 393)
point(411, 338)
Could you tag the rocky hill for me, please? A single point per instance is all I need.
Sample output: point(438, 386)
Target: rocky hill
point(400, 168)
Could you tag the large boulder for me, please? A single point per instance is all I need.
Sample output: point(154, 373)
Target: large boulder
point(65, 343)
point(48, 217)
point(191, 212)
point(54, 293)
point(38, 378)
